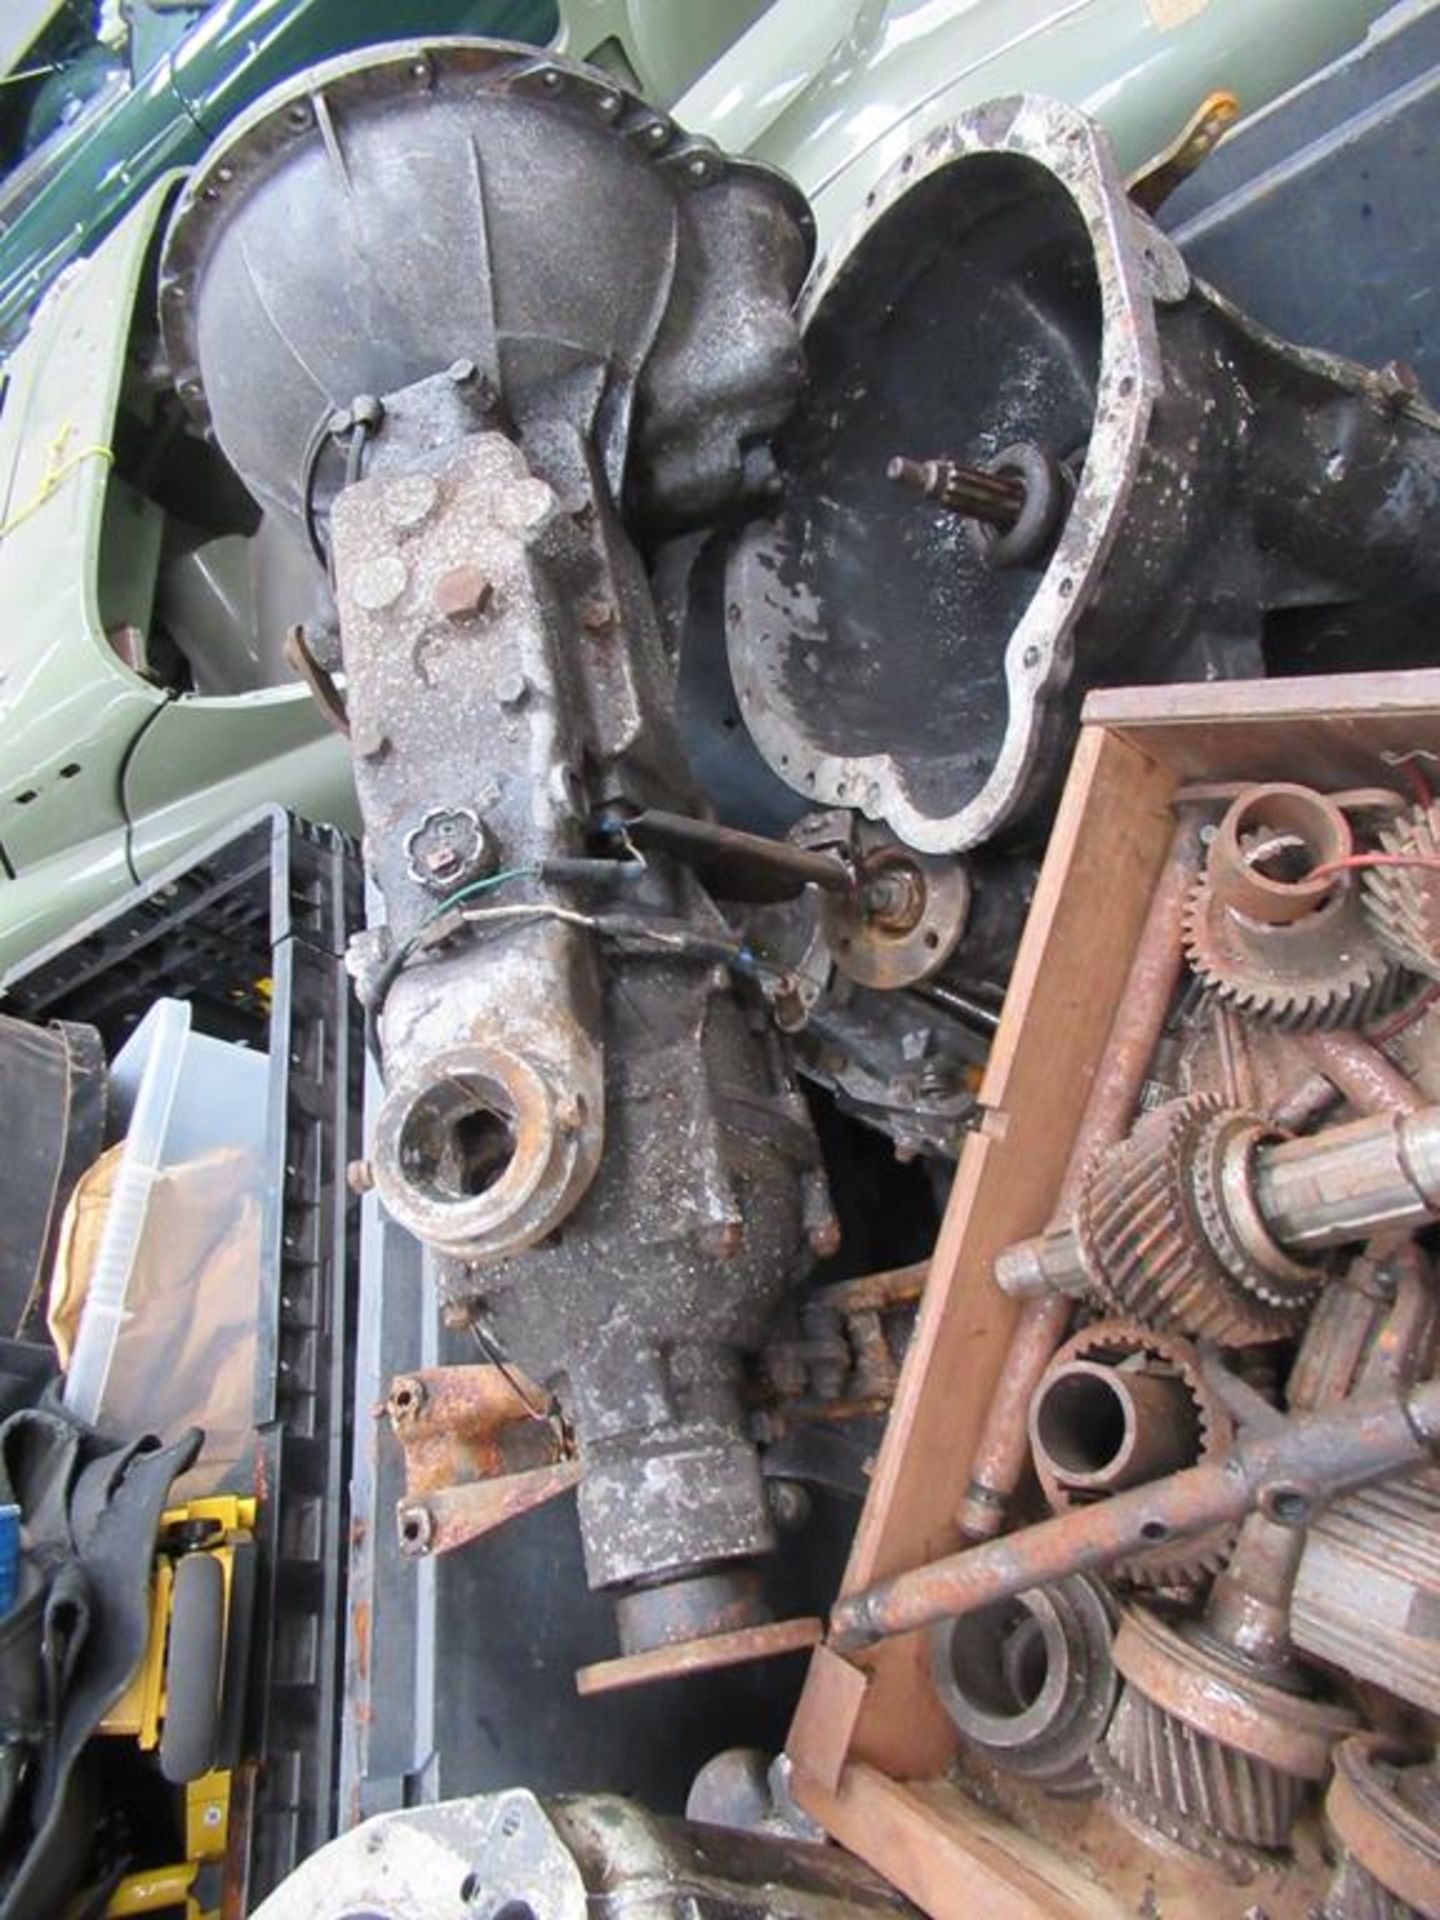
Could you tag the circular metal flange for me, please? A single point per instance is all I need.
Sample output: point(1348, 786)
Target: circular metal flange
point(474, 1152)
point(1047, 501)
point(1376, 1814)
point(1220, 1698)
point(685, 1657)
point(935, 808)
point(903, 918)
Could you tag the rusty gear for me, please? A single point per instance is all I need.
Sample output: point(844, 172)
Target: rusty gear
point(1161, 1776)
point(1125, 1344)
point(1402, 904)
point(1208, 1749)
point(1332, 973)
point(1156, 1231)
point(1384, 1809)
point(1269, 933)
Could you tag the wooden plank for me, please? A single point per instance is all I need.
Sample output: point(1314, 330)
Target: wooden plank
point(952, 1858)
point(1108, 843)
point(820, 1733)
point(1330, 731)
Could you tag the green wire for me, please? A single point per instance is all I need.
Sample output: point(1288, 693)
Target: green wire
point(477, 886)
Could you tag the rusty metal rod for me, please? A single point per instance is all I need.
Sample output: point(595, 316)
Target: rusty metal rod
point(997, 498)
point(1144, 1004)
point(1284, 1471)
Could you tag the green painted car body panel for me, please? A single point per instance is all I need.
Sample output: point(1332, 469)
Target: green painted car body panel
point(168, 115)
point(835, 94)
point(832, 93)
point(104, 775)
point(658, 46)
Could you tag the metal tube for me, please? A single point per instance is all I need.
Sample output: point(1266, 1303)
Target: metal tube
point(1375, 1175)
point(1102, 1428)
point(1003, 1447)
point(1283, 1471)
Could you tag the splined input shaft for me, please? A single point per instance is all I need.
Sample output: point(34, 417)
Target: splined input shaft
point(997, 498)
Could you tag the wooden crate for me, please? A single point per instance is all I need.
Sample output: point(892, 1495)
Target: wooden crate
point(869, 1742)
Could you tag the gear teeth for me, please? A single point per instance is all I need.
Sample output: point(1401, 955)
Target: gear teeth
point(1356, 1894)
point(1360, 980)
point(1145, 1245)
point(1208, 1797)
point(1402, 904)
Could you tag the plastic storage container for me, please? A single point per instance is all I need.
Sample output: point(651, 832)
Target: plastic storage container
point(250, 931)
point(168, 1335)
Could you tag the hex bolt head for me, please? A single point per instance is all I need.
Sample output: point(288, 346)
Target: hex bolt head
point(513, 691)
point(790, 1504)
point(461, 592)
point(360, 1176)
point(598, 615)
point(569, 1113)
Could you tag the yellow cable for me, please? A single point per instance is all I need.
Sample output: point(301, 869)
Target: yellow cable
point(58, 469)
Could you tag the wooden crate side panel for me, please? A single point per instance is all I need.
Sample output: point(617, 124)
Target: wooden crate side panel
point(951, 1857)
point(1109, 841)
point(1332, 732)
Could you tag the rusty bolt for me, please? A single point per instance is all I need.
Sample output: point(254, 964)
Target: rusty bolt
point(894, 898)
point(790, 1504)
point(359, 1176)
point(720, 1239)
point(417, 1530)
point(824, 1238)
point(456, 1316)
point(569, 1113)
point(597, 615)
point(461, 591)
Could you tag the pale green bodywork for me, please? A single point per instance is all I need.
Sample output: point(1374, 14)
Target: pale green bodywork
point(105, 778)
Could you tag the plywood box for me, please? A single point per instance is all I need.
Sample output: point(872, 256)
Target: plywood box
point(869, 1730)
